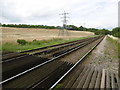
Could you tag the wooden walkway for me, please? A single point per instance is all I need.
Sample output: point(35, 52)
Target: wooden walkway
point(92, 77)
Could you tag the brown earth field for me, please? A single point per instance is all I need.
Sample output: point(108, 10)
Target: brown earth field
point(9, 34)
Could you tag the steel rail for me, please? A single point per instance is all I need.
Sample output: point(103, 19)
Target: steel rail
point(41, 64)
point(54, 45)
point(68, 43)
point(35, 52)
point(11, 59)
point(53, 86)
point(47, 46)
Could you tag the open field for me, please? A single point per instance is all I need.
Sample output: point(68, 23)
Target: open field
point(44, 37)
point(29, 34)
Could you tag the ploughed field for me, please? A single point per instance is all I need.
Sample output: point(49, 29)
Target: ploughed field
point(12, 34)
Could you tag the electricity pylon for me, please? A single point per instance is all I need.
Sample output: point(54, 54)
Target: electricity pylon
point(64, 31)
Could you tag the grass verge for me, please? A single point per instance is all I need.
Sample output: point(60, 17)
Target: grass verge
point(10, 47)
point(116, 45)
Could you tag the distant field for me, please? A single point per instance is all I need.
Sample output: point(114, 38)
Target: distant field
point(29, 34)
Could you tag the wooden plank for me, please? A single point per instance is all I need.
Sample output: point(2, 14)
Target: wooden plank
point(107, 80)
point(118, 81)
point(102, 85)
point(88, 79)
point(112, 81)
point(66, 80)
point(83, 79)
point(98, 81)
point(80, 77)
point(73, 78)
point(93, 80)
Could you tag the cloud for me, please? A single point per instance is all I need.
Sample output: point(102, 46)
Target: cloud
point(95, 13)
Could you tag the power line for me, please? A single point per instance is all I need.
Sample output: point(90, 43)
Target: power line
point(64, 16)
point(64, 20)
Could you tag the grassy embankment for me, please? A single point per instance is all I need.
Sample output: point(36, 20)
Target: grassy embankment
point(10, 47)
point(117, 49)
point(116, 45)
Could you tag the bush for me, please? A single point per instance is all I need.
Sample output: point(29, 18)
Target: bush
point(21, 41)
point(117, 34)
point(34, 40)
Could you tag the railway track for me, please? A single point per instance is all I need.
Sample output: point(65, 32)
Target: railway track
point(56, 71)
point(87, 77)
point(30, 61)
point(12, 56)
point(43, 50)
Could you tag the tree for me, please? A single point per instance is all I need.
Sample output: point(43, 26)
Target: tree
point(72, 27)
point(102, 32)
point(116, 32)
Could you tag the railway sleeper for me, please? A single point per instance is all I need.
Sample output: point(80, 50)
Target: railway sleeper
point(54, 49)
point(13, 71)
point(73, 78)
point(82, 79)
point(79, 77)
point(68, 79)
point(13, 55)
point(67, 47)
point(54, 76)
point(38, 74)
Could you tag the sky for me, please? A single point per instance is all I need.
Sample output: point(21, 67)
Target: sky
point(87, 13)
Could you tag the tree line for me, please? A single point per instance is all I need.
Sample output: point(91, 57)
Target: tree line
point(28, 26)
point(114, 32)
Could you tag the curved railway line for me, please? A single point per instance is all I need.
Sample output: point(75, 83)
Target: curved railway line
point(41, 67)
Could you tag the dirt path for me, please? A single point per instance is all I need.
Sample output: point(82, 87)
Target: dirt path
point(104, 56)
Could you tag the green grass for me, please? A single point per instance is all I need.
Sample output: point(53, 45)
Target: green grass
point(10, 47)
point(58, 86)
point(116, 45)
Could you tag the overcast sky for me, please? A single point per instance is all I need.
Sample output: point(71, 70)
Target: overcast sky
point(88, 13)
